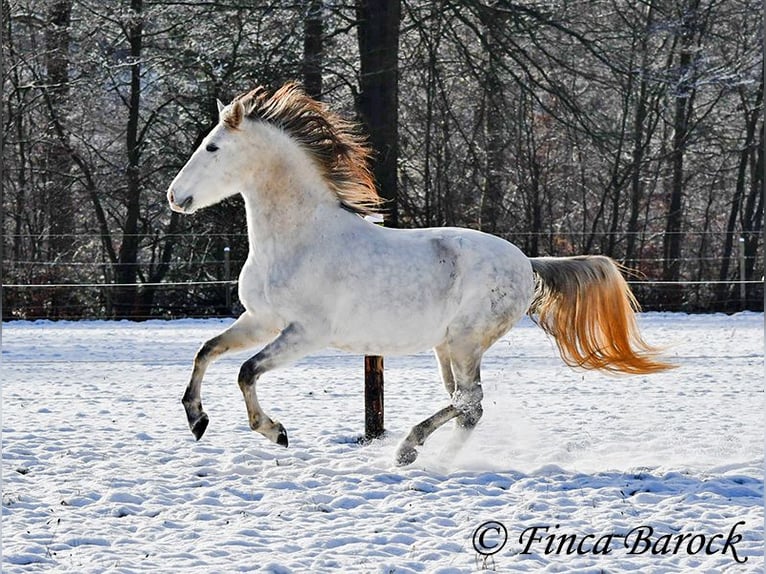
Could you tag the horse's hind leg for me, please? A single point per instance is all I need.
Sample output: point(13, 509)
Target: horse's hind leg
point(468, 393)
point(406, 453)
point(467, 396)
point(243, 334)
point(445, 367)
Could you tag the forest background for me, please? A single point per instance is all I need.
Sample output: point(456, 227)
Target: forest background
point(628, 128)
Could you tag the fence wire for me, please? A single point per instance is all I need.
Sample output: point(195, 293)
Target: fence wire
point(81, 288)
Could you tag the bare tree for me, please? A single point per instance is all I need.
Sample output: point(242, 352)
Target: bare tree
point(313, 48)
point(378, 99)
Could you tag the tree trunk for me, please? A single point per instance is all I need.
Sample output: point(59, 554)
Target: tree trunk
point(752, 220)
point(378, 101)
point(684, 100)
point(494, 112)
point(58, 186)
point(313, 49)
point(723, 289)
point(432, 199)
point(639, 145)
point(126, 298)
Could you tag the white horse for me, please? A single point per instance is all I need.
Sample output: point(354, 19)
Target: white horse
point(318, 275)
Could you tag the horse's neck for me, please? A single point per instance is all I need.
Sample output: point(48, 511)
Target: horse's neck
point(280, 221)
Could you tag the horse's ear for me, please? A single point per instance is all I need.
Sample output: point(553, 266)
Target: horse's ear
point(220, 106)
point(234, 114)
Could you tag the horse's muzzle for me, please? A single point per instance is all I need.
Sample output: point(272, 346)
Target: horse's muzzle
point(181, 206)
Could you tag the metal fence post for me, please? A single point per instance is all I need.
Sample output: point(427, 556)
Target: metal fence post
point(742, 274)
point(227, 276)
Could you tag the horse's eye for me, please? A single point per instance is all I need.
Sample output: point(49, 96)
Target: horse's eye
point(211, 147)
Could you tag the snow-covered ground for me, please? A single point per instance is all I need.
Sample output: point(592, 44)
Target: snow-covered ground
point(100, 472)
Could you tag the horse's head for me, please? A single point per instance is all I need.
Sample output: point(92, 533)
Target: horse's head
point(215, 170)
point(267, 140)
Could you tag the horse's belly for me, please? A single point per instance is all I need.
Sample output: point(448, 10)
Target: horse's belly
point(393, 323)
point(382, 337)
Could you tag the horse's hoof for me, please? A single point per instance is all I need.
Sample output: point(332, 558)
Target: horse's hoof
point(199, 426)
point(406, 455)
point(281, 435)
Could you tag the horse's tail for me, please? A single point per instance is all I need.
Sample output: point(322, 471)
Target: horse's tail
point(587, 306)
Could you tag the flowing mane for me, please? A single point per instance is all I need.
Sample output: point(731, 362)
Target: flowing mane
point(339, 149)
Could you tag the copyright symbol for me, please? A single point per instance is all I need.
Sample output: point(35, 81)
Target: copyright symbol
point(489, 538)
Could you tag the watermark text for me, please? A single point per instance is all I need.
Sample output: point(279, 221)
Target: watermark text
point(491, 537)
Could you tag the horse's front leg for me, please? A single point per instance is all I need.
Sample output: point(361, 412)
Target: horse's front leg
point(243, 334)
point(291, 344)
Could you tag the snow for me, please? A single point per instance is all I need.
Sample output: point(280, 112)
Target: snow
point(100, 471)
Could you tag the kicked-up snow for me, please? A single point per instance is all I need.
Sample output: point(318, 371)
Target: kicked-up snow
point(567, 472)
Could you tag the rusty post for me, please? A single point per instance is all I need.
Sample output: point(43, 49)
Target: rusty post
point(373, 397)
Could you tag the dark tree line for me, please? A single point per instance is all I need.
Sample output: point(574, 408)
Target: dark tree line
point(633, 129)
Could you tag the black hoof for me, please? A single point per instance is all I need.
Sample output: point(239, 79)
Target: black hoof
point(282, 437)
point(406, 455)
point(199, 426)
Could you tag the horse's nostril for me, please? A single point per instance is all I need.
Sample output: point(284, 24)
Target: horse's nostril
point(186, 203)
